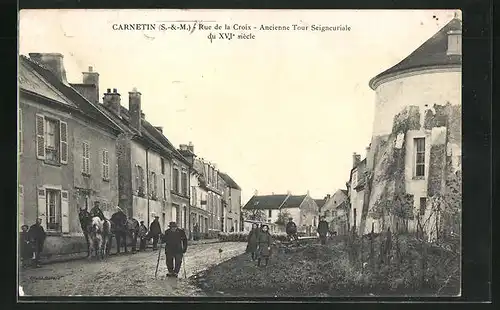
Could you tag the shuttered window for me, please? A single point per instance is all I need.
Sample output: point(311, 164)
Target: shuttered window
point(20, 203)
point(105, 165)
point(63, 141)
point(85, 158)
point(20, 142)
point(40, 136)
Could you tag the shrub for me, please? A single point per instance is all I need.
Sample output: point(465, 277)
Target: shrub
point(242, 236)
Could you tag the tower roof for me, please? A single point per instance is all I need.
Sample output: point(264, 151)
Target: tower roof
point(431, 53)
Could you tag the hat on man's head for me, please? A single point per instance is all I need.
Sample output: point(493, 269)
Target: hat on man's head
point(172, 224)
point(290, 218)
point(157, 217)
point(142, 222)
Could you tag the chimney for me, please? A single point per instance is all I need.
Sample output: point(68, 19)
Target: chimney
point(256, 193)
point(92, 78)
point(143, 116)
point(159, 128)
point(53, 62)
point(356, 158)
point(288, 192)
point(112, 101)
point(191, 147)
point(183, 147)
point(134, 107)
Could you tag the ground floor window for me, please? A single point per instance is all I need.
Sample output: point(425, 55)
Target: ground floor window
point(53, 204)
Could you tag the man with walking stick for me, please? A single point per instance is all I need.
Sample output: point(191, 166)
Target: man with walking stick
point(175, 246)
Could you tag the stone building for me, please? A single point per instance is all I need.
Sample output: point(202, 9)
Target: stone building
point(302, 209)
point(67, 153)
point(231, 204)
point(335, 211)
point(152, 173)
point(416, 142)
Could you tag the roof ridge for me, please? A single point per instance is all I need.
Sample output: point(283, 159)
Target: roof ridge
point(286, 198)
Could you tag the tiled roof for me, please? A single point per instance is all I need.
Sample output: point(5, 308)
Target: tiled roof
point(294, 201)
point(31, 81)
point(76, 99)
point(265, 202)
point(431, 53)
point(229, 181)
point(344, 191)
point(320, 202)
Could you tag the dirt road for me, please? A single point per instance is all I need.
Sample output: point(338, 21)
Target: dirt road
point(125, 274)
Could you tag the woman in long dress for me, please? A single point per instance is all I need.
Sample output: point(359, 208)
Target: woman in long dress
point(264, 245)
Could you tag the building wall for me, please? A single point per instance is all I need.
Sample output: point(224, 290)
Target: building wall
point(140, 204)
point(431, 95)
point(33, 172)
point(104, 191)
point(417, 89)
point(309, 212)
point(332, 203)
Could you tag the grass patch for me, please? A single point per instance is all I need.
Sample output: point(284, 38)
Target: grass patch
point(316, 270)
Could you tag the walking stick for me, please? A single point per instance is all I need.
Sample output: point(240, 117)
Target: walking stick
point(184, 267)
point(158, 262)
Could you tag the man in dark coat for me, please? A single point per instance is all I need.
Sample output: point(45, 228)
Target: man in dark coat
point(155, 232)
point(37, 238)
point(96, 211)
point(322, 230)
point(291, 229)
point(176, 244)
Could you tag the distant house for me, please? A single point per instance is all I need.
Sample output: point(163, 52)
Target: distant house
point(356, 192)
point(336, 211)
point(303, 209)
point(232, 203)
point(321, 202)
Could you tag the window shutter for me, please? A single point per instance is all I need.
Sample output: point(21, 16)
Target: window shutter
point(40, 136)
point(20, 203)
point(63, 138)
point(20, 131)
point(105, 165)
point(64, 212)
point(42, 206)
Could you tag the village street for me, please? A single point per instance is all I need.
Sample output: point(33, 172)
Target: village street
point(125, 274)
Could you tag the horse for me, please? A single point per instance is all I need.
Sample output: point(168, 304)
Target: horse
point(85, 222)
point(100, 233)
point(123, 227)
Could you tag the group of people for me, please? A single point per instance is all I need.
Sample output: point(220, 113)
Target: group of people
point(31, 241)
point(259, 239)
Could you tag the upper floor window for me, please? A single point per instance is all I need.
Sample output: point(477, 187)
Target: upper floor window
point(152, 186)
point(162, 163)
point(419, 157)
point(51, 139)
point(175, 179)
point(140, 181)
point(354, 181)
point(105, 165)
point(184, 183)
point(270, 213)
point(86, 158)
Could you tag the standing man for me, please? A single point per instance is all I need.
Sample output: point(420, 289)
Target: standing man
point(175, 246)
point(155, 232)
point(322, 229)
point(37, 237)
point(291, 230)
point(143, 231)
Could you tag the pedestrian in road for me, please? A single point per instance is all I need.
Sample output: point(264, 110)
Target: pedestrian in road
point(143, 231)
point(25, 246)
point(322, 229)
point(155, 232)
point(176, 244)
point(37, 238)
point(252, 240)
point(291, 230)
point(264, 245)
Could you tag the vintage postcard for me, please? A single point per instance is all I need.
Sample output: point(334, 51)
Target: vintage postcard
point(239, 153)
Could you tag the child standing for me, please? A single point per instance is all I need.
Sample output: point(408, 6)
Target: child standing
point(25, 246)
point(264, 243)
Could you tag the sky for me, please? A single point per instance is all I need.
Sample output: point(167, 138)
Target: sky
point(281, 112)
